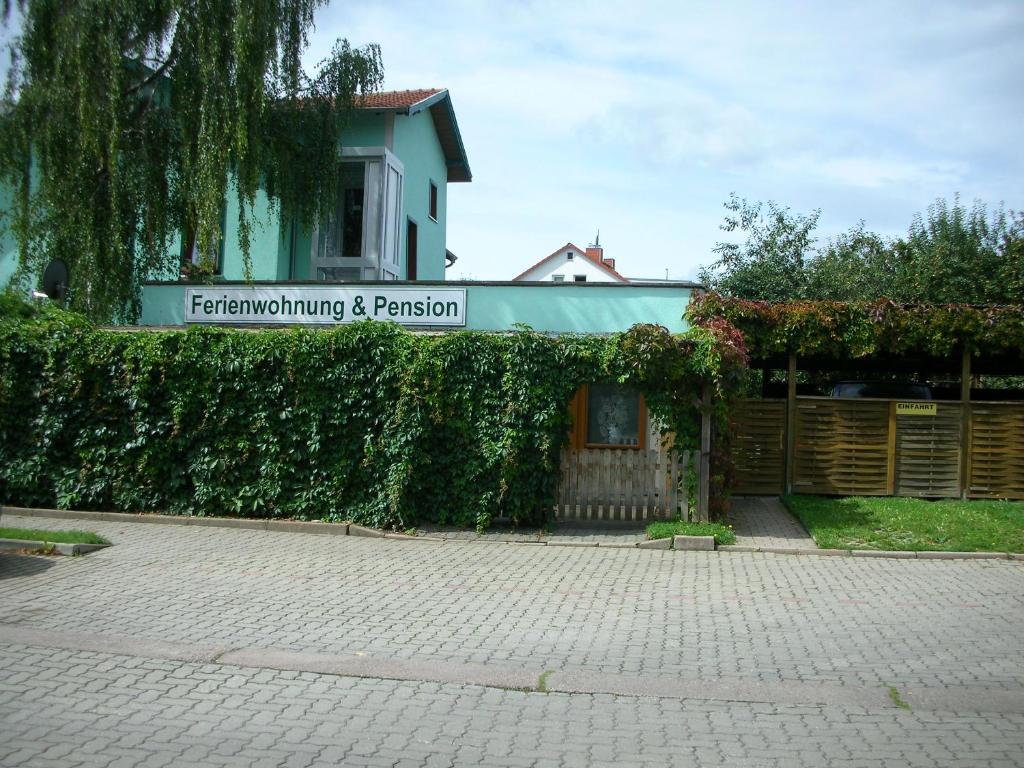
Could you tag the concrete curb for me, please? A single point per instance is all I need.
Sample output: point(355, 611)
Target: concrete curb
point(281, 526)
point(876, 553)
point(59, 547)
point(693, 543)
point(351, 529)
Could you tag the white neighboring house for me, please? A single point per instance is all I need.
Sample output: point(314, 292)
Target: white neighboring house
point(572, 264)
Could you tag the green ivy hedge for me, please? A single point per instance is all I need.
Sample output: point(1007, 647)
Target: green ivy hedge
point(366, 422)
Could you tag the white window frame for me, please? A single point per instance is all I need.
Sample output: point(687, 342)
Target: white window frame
point(379, 259)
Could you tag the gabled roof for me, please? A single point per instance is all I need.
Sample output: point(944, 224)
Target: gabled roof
point(439, 103)
point(579, 250)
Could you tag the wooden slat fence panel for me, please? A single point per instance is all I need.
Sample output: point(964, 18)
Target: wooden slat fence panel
point(841, 447)
point(997, 451)
point(864, 447)
point(928, 453)
point(603, 484)
point(759, 446)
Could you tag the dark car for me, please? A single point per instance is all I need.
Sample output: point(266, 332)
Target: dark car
point(889, 390)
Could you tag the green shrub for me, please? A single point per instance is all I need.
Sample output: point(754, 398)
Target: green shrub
point(366, 422)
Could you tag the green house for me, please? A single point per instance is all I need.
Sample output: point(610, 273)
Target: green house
point(395, 162)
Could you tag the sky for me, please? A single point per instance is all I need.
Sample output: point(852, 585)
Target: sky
point(640, 119)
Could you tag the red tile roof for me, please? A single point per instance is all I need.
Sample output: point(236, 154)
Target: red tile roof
point(395, 99)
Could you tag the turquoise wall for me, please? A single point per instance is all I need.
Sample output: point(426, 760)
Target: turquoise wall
point(365, 130)
point(416, 145)
point(267, 245)
point(547, 307)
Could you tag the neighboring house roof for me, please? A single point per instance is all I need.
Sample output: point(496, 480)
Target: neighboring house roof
point(582, 251)
point(439, 103)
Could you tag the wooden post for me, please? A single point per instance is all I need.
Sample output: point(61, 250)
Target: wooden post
point(890, 466)
point(704, 477)
point(965, 423)
point(790, 421)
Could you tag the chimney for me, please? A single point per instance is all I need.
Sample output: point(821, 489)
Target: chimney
point(610, 263)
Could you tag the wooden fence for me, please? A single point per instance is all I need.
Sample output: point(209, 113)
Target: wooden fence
point(866, 447)
point(996, 461)
point(759, 446)
point(606, 485)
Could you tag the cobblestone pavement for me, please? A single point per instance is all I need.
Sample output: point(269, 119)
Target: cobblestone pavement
point(210, 646)
point(73, 708)
point(761, 521)
point(562, 533)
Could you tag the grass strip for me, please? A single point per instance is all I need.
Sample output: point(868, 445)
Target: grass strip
point(56, 537)
point(920, 525)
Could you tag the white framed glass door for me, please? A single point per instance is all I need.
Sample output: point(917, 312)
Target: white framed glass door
point(360, 239)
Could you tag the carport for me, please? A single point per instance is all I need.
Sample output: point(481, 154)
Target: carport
point(966, 442)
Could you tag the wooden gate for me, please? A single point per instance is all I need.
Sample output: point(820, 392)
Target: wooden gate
point(927, 453)
point(600, 484)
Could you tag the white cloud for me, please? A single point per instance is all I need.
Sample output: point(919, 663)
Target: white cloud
point(874, 172)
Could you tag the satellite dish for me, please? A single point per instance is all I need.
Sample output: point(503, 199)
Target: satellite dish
point(55, 280)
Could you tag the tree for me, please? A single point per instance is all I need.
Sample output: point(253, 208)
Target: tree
point(956, 254)
point(126, 121)
point(769, 265)
point(854, 265)
point(951, 255)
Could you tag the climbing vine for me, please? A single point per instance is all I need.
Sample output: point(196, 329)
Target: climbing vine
point(849, 330)
point(366, 422)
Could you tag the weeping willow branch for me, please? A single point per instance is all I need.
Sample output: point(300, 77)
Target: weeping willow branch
point(126, 122)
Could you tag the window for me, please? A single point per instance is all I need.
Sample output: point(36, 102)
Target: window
point(579, 278)
point(609, 416)
point(345, 239)
point(433, 201)
point(558, 278)
point(569, 255)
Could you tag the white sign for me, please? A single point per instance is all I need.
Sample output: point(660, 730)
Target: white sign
point(324, 305)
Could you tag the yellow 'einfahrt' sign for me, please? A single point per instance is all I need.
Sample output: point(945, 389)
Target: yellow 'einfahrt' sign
point(915, 409)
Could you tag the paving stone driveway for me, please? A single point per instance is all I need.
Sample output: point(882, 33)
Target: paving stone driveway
point(207, 646)
point(764, 521)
